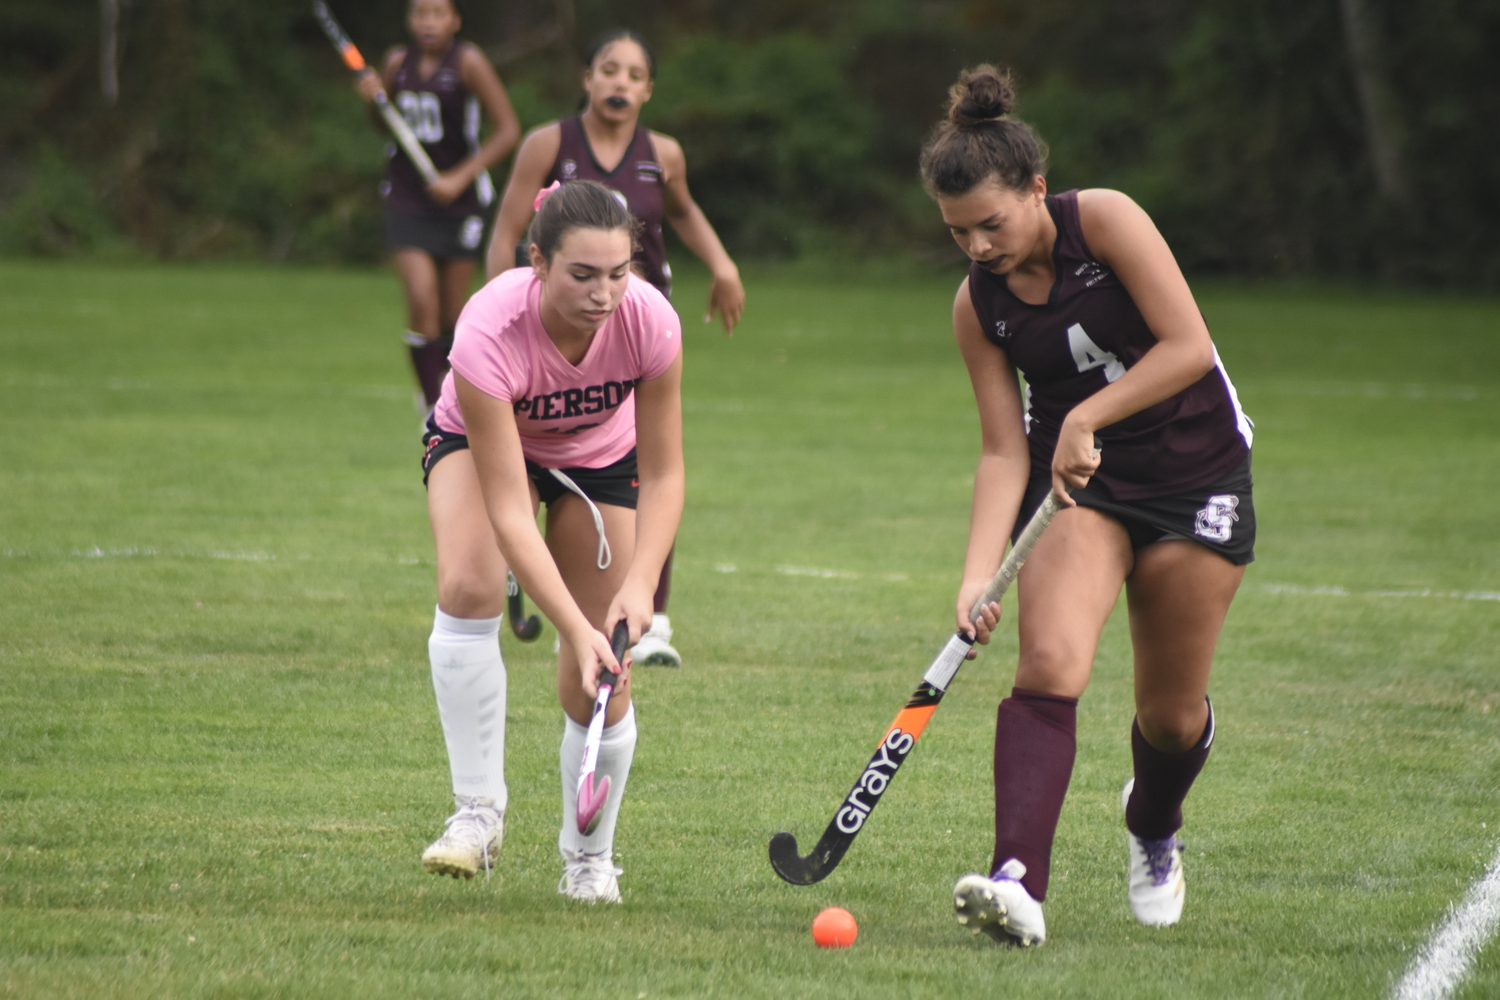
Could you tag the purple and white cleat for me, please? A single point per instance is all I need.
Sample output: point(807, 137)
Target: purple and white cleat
point(1157, 884)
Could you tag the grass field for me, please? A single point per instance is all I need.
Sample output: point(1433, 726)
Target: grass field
point(220, 758)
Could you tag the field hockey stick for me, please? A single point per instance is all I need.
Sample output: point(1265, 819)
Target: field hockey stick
point(526, 629)
point(902, 734)
point(402, 131)
point(591, 797)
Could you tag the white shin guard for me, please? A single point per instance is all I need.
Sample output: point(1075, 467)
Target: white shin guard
point(616, 751)
point(468, 677)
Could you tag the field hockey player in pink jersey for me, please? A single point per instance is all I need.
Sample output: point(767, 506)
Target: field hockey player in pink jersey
point(565, 391)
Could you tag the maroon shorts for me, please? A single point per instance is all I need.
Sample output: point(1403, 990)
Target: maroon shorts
point(1219, 516)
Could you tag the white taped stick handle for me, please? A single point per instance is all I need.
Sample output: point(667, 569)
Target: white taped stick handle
point(406, 137)
point(1011, 566)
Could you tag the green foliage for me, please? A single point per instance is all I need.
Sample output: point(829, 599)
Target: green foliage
point(56, 213)
point(775, 141)
point(1238, 125)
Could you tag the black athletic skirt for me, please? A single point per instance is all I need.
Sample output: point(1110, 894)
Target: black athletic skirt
point(618, 483)
point(445, 238)
point(1219, 516)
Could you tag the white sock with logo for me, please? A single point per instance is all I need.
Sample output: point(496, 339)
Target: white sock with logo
point(616, 751)
point(468, 677)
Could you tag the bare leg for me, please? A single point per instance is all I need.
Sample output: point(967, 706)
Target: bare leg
point(471, 570)
point(1179, 595)
point(574, 544)
point(429, 350)
point(453, 292)
point(419, 277)
point(1067, 590)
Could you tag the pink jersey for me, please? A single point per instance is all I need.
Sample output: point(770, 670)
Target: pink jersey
point(569, 417)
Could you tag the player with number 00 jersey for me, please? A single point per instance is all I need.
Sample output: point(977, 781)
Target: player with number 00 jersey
point(435, 231)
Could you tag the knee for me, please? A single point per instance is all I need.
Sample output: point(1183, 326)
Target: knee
point(1052, 667)
point(463, 592)
point(1173, 728)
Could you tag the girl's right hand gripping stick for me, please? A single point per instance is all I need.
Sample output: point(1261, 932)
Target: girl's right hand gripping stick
point(591, 797)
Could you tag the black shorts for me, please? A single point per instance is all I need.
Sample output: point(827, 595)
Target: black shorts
point(445, 238)
point(618, 484)
point(1220, 516)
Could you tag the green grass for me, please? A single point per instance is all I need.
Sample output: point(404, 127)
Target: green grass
point(219, 755)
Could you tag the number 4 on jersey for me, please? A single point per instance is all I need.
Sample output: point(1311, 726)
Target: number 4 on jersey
point(1088, 355)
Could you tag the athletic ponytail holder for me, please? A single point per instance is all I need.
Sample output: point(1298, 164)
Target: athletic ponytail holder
point(542, 195)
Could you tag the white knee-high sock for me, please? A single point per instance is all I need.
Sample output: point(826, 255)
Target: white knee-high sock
point(616, 751)
point(468, 676)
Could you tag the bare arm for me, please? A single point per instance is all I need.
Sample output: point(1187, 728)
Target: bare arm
point(1123, 238)
point(528, 174)
point(495, 443)
point(369, 83)
point(484, 83)
point(726, 295)
point(658, 431)
point(1004, 462)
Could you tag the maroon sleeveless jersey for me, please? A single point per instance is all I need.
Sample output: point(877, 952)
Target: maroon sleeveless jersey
point(445, 118)
point(637, 179)
point(1086, 336)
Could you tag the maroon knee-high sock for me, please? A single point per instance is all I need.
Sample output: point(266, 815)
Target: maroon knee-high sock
point(663, 584)
point(1162, 780)
point(429, 360)
point(1036, 739)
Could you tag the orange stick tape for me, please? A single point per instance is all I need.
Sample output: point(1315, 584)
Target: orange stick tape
point(910, 720)
point(352, 58)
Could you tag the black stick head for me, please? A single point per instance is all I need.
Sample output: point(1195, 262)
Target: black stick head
point(527, 630)
point(791, 866)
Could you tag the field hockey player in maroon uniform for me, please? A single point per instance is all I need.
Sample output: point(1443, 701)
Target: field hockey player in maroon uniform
point(434, 231)
point(1080, 294)
point(607, 143)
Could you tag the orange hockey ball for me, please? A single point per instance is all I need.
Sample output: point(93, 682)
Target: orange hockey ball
point(835, 928)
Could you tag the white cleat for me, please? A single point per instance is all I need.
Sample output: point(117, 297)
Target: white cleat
point(470, 842)
point(590, 878)
point(655, 648)
point(1000, 907)
point(1157, 884)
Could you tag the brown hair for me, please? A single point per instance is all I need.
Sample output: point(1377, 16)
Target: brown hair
point(578, 205)
point(979, 140)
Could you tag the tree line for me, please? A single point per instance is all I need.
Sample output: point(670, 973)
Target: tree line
point(1348, 139)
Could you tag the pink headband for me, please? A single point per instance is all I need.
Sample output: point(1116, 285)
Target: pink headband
point(541, 196)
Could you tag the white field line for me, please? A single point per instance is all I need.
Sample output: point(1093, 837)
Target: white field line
point(816, 572)
point(1440, 967)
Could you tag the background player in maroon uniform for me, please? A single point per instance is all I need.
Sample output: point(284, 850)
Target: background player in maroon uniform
point(607, 143)
point(1081, 294)
point(434, 232)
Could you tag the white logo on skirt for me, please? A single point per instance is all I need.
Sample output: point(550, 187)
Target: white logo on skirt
point(471, 231)
point(1216, 521)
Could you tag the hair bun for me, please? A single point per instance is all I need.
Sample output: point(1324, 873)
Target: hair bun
point(981, 94)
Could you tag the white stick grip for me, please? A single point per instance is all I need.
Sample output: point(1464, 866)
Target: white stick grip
point(1011, 566)
point(947, 663)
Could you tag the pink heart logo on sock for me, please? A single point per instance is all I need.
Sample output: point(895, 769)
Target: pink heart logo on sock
point(591, 799)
